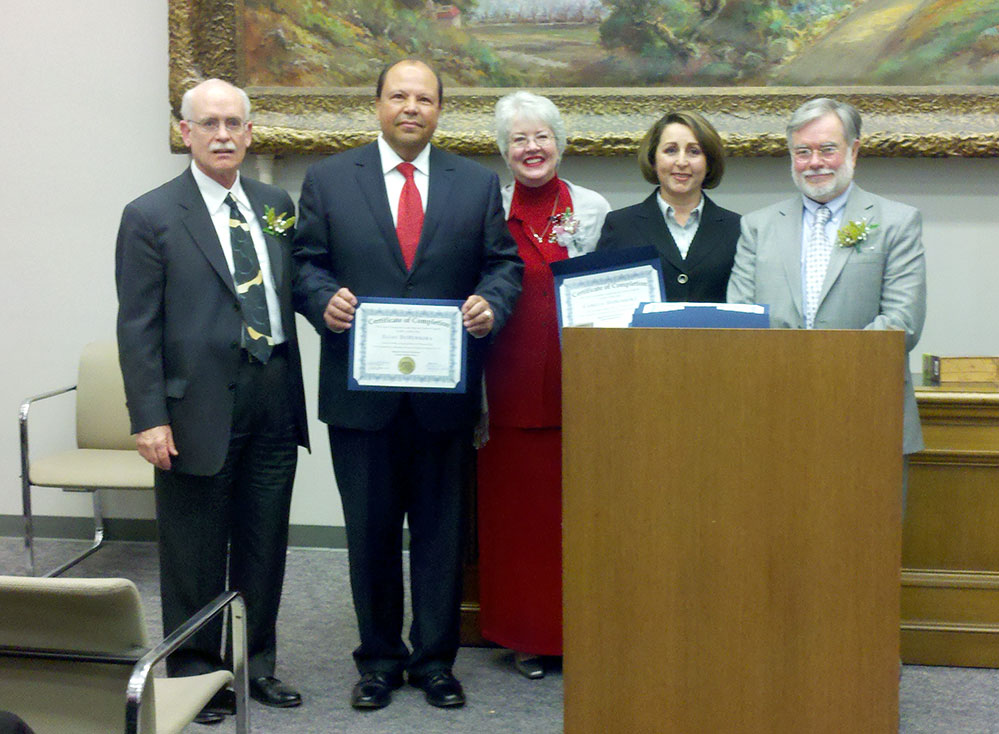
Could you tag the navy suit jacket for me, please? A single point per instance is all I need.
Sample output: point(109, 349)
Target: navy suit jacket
point(346, 238)
point(703, 275)
point(179, 320)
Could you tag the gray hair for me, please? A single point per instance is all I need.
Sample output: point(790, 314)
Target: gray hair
point(813, 109)
point(527, 106)
point(187, 101)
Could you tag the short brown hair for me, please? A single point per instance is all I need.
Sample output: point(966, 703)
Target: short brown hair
point(706, 135)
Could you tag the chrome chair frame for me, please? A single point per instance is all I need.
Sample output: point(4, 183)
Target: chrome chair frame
point(29, 526)
point(142, 661)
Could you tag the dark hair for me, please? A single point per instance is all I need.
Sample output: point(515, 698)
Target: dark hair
point(706, 135)
point(385, 70)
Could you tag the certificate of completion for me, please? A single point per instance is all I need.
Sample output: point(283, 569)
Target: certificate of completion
point(407, 344)
point(605, 288)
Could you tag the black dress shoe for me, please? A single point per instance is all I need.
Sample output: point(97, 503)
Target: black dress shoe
point(208, 717)
point(222, 704)
point(440, 687)
point(269, 691)
point(374, 690)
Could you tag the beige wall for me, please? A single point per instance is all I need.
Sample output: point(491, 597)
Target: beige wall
point(85, 131)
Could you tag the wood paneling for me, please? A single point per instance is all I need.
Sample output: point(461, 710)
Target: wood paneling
point(731, 530)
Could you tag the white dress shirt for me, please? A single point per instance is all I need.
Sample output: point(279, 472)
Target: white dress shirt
point(683, 234)
point(835, 207)
point(214, 195)
point(394, 178)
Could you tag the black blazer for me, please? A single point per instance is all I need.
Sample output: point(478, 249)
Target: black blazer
point(179, 320)
point(346, 238)
point(703, 275)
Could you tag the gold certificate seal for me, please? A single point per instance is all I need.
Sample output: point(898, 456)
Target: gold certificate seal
point(406, 365)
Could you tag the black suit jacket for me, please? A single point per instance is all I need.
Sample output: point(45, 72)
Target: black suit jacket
point(346, 238)
point(179, 319)
point(703, 275)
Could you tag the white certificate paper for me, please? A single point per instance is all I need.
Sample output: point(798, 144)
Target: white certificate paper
point(608, 298)
point(407, 344)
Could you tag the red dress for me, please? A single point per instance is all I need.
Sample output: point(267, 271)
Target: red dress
point(520, 468)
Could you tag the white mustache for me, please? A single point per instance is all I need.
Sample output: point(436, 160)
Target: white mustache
point(229, 147)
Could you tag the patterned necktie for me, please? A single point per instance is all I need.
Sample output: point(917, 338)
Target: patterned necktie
point(249, 282)
point(409, 221)
point(816, 264)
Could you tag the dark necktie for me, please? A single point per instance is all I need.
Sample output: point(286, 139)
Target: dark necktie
point(409, 221)
point(249, 280)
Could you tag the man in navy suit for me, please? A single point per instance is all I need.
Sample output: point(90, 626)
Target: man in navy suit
point(213, 381)
point(398, 455)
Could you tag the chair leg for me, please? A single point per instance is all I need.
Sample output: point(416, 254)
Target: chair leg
point(237, 642)
point(29, 527)
point(98, 537)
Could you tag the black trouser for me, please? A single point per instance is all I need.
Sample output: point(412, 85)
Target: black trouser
point(385, 476)
point(234, 523)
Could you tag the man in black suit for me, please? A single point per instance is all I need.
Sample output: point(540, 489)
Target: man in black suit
point(402, 454)
point(213, 381)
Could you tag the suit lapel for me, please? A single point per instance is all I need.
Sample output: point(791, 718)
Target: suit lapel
point(652, 228)
point(198, 223)
point(438, 195)
point(700, 246)
point(858, 206)
point(788, 235)
point(371, 182)
point(273, 242)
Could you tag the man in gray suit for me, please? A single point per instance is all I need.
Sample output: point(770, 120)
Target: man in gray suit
point(213, 381)
point(836, 257)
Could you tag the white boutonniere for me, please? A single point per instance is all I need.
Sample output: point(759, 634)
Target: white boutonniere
point(277, 224)
point(854, 233)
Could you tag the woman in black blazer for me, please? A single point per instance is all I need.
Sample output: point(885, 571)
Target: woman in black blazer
point(695, 237)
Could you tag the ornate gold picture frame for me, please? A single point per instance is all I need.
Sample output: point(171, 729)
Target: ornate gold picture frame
point(941, 121)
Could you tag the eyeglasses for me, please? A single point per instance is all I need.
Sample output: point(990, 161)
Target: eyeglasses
point(211, 125)
point(826, 151)
point(522, 141)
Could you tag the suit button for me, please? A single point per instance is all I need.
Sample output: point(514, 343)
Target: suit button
point(235, 307)
point(682, 278)
point(232, 385)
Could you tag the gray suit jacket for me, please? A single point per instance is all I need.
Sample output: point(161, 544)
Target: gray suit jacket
point(179, 319)
point(879, 285)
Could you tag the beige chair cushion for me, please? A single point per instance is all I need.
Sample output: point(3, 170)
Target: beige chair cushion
point(101, 416)
point(70, 698)
point(178, 700)
point(86, 615)
point(93, 468)
point(79, 615)
point(103, 615)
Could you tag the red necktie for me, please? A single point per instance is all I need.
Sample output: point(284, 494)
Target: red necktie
point(410, 217)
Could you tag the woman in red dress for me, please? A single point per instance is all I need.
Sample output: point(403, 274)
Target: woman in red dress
point(520, 466)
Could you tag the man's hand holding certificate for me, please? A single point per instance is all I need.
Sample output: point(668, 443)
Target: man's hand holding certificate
point(407, 344)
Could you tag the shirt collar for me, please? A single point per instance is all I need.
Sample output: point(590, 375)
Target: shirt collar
point(670, 213)
point(835, 206)
point(214, 193)
point(391, 159)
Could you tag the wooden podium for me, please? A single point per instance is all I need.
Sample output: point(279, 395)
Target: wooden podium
point(731, 530)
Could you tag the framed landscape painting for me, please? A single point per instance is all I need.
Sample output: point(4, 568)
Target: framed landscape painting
point(924, 74)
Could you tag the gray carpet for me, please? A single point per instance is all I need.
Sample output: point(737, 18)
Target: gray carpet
point(317, 631)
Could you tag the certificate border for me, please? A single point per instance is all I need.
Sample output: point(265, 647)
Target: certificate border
point(459, 388)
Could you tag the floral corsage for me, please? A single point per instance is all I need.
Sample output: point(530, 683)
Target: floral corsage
point(277, 224)
point(564, 226)
point(854, 233)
